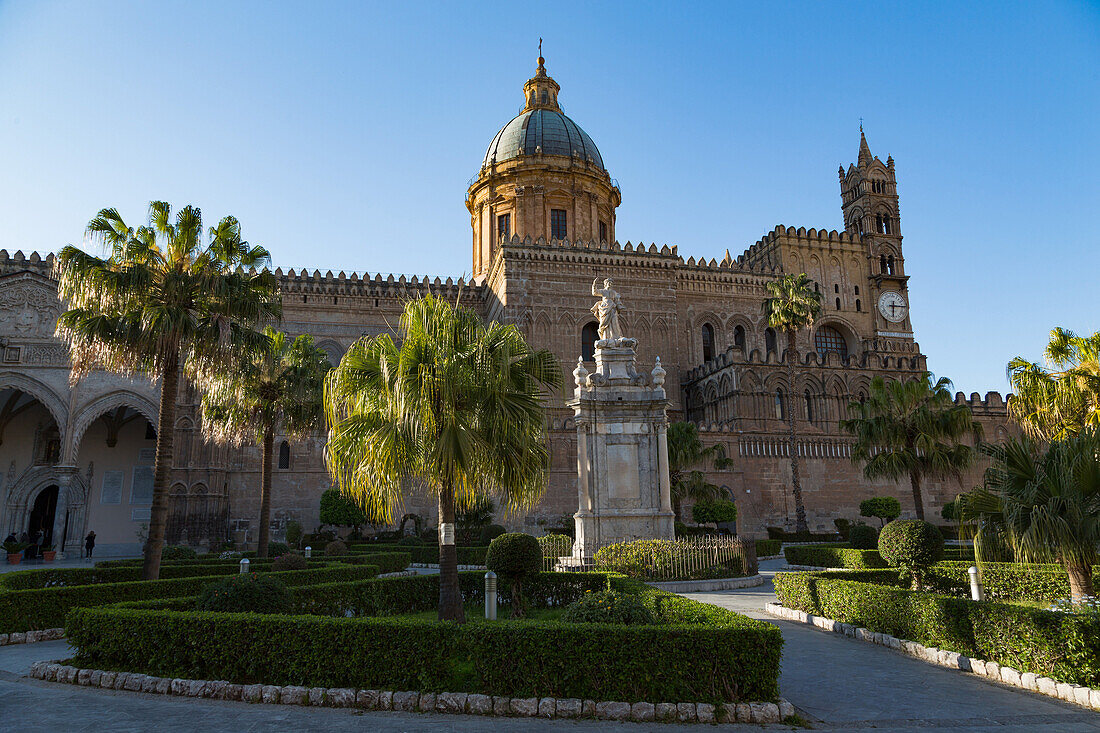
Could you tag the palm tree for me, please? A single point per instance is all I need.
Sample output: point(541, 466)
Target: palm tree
point(456, 408)
point(912, 429)
point(163, 300)
point(792, 304)
point(1043, 505)
point(686, 450)
point(1062, 399)
point(278, 386)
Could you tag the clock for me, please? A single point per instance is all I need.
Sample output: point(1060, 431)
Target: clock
point(892, 306)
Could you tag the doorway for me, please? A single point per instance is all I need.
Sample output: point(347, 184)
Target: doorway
point(42, 515)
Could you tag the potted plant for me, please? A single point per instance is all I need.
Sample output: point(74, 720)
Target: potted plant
point(15, 551)
point(48, 553)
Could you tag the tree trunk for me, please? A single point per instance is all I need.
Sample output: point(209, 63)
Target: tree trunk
point(792, 444)
point(265, 493)
point(450, 596)
point(166, 433)
point(677, 503)
point(918, 502)
point(1080, 582)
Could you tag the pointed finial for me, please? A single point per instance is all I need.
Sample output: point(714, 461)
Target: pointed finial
point(542, 61)
point(580, 373)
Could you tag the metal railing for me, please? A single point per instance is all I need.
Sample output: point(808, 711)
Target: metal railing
point(686, 558)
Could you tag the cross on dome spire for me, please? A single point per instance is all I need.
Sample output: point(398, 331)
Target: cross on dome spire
point(540, 91)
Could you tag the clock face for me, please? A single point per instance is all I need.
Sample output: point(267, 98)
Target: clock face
point(892, 306)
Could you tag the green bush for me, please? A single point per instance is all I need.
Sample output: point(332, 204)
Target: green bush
point(245, 593)
point(294, 533)
point(289, 561)
point(768, 548)
point(608, 607)
point(1062, 646)
point(670, 560)
point(340, 510)
point(863, 537)
point(911, 546)
point(491, 532)
point(697, 652)
point(777, 533)
point(336, 548)
point(45, 608)
point(842, 527)
point(718, 511)
point(410, 540)
point(514, 557)
point(274, 549)
point(426, 554)
point(178, 552)
point(884, 508)
point(556, 545)
point(833, 556)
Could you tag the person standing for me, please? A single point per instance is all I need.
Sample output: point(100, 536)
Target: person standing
point(89, 545)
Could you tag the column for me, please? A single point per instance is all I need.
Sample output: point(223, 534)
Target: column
point(584, 493)
point(64, 481)
point(662, 467)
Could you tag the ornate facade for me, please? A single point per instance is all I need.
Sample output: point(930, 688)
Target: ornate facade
point(542, 209)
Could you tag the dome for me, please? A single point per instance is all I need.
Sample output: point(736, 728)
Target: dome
point(545, 131)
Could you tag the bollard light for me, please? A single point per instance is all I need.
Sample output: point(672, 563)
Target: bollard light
point(244, 565)
point(491, 596)
point(309, 551)
point(976, 592)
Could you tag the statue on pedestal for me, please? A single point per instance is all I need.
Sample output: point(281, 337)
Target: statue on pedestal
point(607, 310)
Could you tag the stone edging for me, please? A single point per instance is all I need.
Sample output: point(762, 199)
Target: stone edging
point(30, 637)
point(422, 702)
point(698, 586)
point(1084, 696)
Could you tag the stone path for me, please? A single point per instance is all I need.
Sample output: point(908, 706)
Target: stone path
point(837, 684)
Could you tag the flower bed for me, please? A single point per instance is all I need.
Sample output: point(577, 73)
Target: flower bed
point(1062, 646)
point(45, 608)
point(696, 652)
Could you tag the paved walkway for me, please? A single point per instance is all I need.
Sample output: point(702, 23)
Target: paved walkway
point(837, 684)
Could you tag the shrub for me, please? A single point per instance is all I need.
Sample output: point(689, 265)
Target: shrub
point(863, 537)
point(340, 510)
point(832, 556)
point(556, 545)
point(608, 607)
point(293, 533)
point(515, 556)
point(718, 511)
point(777, 533)
point(491, 532)
point(673, 560)
point(245, 593)
point(274, 549)
point(411, 540)
point(289, 561)
point(885, 508)
point(768, 548)
point(950, 511)
point(842, 527)
point(911, 546)
point(335, 549)
point(1065, 647)
point(178, 552)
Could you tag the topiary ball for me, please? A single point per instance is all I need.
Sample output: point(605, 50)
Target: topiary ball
point(910, 544)
point(608, 607)
point(514, 556)
point(491, 532)
point(335, 548)
point(862, 537)
point(290, 561)
point(245, 593)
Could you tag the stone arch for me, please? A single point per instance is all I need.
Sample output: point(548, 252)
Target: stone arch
point(94, 409)
point(22, 493)
point(333, 348)
point(39, 390)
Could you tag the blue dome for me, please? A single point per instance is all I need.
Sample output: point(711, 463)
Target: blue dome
point(542, 130)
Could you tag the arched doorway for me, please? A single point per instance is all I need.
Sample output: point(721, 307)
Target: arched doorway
point(42, 515)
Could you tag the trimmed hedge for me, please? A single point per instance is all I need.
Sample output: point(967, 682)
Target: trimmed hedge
point(844, 556)
point(1062, 646)
point(767, 548)
point(1003, 581)
point(390, 561)
point(424, 554)
point(698, 652)
point(45, 608)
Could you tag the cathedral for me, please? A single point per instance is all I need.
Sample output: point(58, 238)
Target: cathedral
point(79, 457)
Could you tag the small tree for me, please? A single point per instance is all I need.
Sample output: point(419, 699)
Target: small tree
point(515, 557)
point(718, 512)
point(341, 511)
point(885, 508)
point(912, 546)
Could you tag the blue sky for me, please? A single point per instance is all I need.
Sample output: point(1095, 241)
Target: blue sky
point(343, 135)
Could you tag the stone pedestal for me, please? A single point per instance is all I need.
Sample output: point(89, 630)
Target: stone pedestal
point(622, 451)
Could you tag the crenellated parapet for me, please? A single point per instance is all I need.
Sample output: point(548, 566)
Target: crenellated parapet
point(34, 262)
point(765, 253)
point(303, 282)
point(734, 357)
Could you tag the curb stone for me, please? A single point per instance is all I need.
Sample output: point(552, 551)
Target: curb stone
point(442, 702)
point(1083, 696)
point(30, 637)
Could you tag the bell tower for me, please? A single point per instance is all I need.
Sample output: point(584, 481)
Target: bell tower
point(869, 202)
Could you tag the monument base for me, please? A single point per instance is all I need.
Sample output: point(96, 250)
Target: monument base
point(610, 527)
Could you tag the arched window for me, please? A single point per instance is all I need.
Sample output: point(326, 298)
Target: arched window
point(780, 407)
point(882, 264)
point(829, 340)
point(890, 264)
point(859, 306)
point(838, 303)
point(769, 341)
point(589, 334)
point(836, 288)
point(284, 455)
point(809, 407)
point(739, 337)
point(708, 342)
